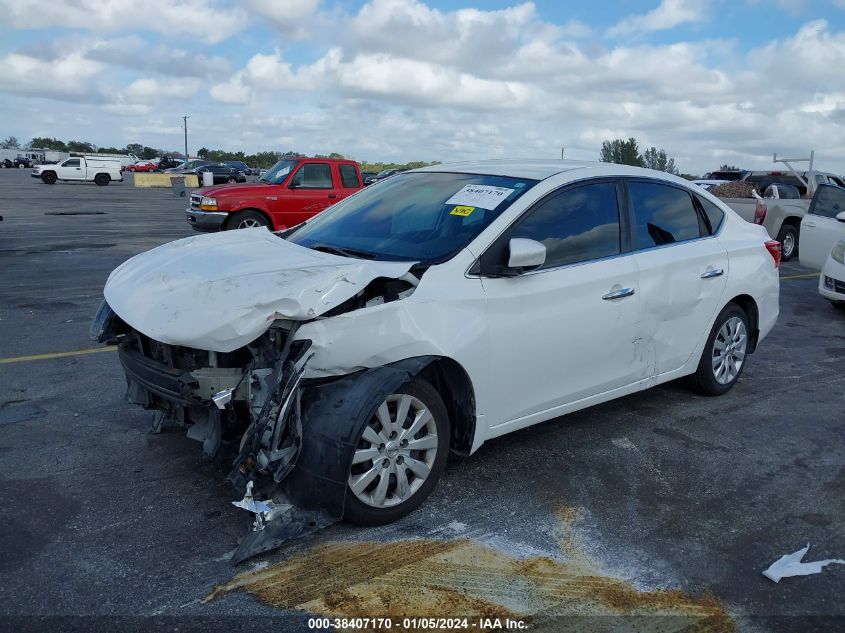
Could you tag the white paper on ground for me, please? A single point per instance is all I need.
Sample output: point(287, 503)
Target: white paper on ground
point(482, 196)
point(791, 565)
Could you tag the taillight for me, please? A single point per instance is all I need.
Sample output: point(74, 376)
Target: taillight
point(773, 246)
point(760, 213)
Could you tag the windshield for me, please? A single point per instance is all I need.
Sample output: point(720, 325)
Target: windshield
point(278, 172)
point(385, 173)
point(425, 216)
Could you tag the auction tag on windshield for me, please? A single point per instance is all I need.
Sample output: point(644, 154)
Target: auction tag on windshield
point(462, 211)
point(483, 196)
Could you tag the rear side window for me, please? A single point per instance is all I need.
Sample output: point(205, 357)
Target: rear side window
point(829, 201)
point(715, 216)
point(349, 177)
point(575, 225)
point(662, 215)
point(313, 176)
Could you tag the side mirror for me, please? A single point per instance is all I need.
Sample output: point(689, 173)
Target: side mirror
point(841, 216)
point(293, 185)
point(525, 254)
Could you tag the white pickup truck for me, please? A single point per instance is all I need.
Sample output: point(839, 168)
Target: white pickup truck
point(780, 217)
point(99, 169)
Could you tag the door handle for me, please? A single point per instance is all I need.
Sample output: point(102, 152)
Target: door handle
point(618, 294)
point(332, 195)
point(712, 272)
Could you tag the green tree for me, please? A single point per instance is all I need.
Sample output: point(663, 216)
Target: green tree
point(148, 152)
point(202, 152)
point(42, 142)
point(727, 167)
point(654, 158)
point(134, 148)
point(80, 146)
point(621, 152)
point(10, 143)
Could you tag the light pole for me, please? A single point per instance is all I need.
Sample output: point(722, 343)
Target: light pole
point(185, 125)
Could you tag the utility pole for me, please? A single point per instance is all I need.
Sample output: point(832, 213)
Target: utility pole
point(185, 124)
point(561, 152)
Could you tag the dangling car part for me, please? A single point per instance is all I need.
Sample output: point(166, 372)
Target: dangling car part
point(333, 366)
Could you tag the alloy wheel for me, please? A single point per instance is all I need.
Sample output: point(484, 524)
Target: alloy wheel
point(729, 348)
point(249, 223)
point(788, 245)
point(396, 452)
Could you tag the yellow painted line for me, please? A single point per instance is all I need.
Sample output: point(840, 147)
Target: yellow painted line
point(805, 276)
point(79, 352)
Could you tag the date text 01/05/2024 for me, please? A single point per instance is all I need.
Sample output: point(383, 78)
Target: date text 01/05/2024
point(418, 623)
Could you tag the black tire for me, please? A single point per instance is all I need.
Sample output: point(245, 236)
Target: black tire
point(838, 305)
point(246, 220)
point(788, 237)
point(49, 178)
point(231, 180)
point(360, 513)
point(704, 380)
point(101, 180)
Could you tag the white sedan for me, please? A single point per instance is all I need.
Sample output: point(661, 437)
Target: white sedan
point(343, 359)
point(822, 243)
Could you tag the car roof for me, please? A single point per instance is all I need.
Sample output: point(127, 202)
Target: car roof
point(536, 169)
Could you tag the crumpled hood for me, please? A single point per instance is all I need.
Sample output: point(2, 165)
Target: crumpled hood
point(221, 291)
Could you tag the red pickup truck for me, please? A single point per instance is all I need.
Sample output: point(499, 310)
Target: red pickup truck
point(289, 193)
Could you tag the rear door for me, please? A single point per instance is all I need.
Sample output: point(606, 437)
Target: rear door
point(310, 190)
point(683, 268)
point(347, 175)
point(820, 230)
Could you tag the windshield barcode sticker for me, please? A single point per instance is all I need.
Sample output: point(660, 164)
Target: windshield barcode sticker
point(483, 196)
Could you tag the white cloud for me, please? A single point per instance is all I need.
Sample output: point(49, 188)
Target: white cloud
point(667, 15)
point(69, 77)
point(205, 20)
point(292, 17)
point(265, 73)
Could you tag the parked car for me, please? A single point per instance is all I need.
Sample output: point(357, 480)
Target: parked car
point(709, 184)
point(343, 359)
point(85, 168)
point(189, 167)
point(386, 173)
point(823, 241)
point(143, 166)
point(168, 162)
point(367, 177)
point(222, 174)
point(23, 162)
point(290, 193)
point(727, 174)
point(6, 163)
point(240, 166)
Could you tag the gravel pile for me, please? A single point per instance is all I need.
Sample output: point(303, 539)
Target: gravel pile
point(734, 189)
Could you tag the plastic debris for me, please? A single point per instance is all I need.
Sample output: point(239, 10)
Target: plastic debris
point(791, 565)
point(250, 504)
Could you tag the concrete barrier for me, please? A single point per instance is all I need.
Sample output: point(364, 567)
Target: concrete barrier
point(147, 180)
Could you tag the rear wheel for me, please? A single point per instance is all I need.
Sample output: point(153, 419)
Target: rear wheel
point(788, 238)
point(247, 220)
point(48, 177)
point(102, 180)
point(400, 455)
point(231, 179)
point(724, 353)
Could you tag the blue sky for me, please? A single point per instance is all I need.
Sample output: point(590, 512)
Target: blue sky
point(711, 81)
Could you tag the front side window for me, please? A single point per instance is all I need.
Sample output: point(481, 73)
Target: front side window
point(828, 202)
point(313, 176)
point(71, 162)
point(662, 215)
point(575, 225)
point(425, 216)
point(349, 177)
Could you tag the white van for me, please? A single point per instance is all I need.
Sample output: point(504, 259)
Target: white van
point(101, 170)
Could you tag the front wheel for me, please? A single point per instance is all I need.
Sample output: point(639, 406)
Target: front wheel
point(400, 455)
point(788, 238)
point(247, 220)
point(48, 178)
point(724, 353)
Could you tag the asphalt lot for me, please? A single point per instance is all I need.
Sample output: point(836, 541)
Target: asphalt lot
point(662, 505)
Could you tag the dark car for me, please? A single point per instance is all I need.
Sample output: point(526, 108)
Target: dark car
point(190, 167)
point(168, 162)
point(222, 173)
point(23, 161)
point(387, 173)
point(6, 163)
point(368, 177)
point(241, 166)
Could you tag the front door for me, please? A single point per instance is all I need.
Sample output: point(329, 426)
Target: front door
point(70, 169)
point(567, 330)
point(310, 190)
point(820, 230)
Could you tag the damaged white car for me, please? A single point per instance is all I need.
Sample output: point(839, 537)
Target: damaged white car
point(337, 363)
